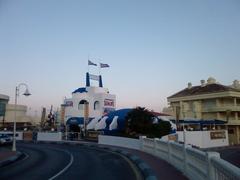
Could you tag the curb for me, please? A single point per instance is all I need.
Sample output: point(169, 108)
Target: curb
point(144, 168)
point(10, 159)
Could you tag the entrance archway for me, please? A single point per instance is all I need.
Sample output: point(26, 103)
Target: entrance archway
point(74, 128)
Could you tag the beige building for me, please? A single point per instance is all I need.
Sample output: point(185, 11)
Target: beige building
point(208, 101)
point(7, 114)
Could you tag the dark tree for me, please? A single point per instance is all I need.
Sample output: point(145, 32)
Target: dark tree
point(160, 129)
point(139, 121)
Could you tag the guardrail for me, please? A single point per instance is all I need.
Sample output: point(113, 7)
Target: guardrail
point(228, 172)
point(195, 164)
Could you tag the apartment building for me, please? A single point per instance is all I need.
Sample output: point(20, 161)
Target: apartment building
point(210, 101)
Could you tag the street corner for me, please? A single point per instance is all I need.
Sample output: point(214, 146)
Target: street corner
point(8, 157)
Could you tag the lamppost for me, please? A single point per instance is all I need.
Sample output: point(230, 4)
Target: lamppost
point(26, 93)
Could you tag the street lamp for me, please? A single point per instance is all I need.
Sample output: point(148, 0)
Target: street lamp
point(26, 93)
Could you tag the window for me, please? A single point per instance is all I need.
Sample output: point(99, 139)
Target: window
point(96, 105)
point(230, 131)
point(81, 104)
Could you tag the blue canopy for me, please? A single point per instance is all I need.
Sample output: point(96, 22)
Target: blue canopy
point(75, 121)
point(201, 122)
point(80, 90)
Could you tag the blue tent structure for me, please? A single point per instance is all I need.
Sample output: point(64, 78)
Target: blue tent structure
point(122, 113)
point(75, 121)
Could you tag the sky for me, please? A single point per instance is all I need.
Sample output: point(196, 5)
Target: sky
point(154, 47)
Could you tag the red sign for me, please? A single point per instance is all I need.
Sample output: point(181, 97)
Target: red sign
point(109, 102)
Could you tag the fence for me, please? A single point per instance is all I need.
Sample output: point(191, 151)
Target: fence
point(195, 164)
point(204, 139)
point(49, 136)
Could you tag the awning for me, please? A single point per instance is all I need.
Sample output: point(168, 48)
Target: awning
point(75, 121)
point(201, 122)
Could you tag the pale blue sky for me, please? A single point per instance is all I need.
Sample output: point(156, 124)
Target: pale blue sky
point(154, 47)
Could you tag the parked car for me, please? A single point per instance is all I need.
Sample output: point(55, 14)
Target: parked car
point(5, 139)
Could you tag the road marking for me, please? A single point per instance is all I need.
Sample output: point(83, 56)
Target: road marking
point(26, 157)
point(64, 169)
point(135, 169)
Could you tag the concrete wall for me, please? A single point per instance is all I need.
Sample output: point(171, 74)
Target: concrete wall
point(49, 136)
point(119, 141)
point(203, 139)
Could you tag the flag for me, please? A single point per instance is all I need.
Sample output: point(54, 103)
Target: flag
point(91, 63)
point(104, 65)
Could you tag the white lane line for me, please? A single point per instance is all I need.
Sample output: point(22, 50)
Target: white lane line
point(26, 157)
point(64, 169)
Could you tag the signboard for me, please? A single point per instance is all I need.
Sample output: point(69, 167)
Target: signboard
point(217, 135)
point(94, 77)
point(173, 137)
point(109, 102)
point(107, 111)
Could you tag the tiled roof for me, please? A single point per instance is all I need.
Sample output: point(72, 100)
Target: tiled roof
point(207, 89)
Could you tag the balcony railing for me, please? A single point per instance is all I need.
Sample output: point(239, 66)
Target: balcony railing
point(221, 108)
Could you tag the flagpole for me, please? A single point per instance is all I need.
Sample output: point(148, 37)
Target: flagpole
point(99, 68)
point(88, 63)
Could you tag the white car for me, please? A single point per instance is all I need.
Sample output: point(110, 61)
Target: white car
point(5, 139)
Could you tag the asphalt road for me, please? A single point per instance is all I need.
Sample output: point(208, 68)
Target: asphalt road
point(230, 154)
point(52, 161)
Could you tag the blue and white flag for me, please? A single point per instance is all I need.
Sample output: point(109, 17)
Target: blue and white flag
point(90, 63)
point(104, 65)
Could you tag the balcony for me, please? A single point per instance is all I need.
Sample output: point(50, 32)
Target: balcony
point(221, 108)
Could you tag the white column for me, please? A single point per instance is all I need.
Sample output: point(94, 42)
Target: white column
point(235, 102)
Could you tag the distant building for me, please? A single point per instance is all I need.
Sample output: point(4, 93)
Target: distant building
point(87, 101)
point(3, 102)
point(210, 101)
point(7, 114)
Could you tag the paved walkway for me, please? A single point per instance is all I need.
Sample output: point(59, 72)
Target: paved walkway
point(161, 168)
point(5, 153)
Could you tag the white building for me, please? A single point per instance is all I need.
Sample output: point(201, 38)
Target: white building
point(89, 101)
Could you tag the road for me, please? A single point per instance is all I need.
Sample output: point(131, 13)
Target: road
point(52, 161)
point(230, 154)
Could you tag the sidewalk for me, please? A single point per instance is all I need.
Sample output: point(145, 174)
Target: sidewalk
point(7, 156)
point(162, 169)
